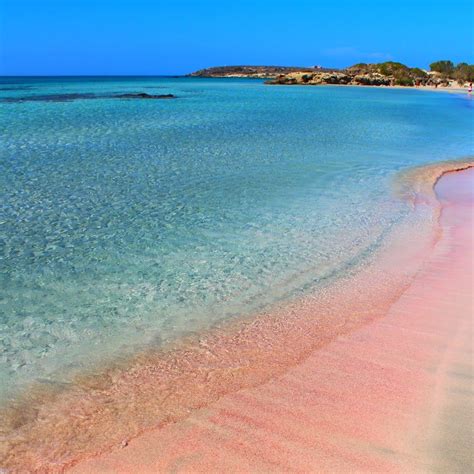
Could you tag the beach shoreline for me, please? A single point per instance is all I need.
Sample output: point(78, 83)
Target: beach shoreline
point(142, 398)
point(448, 89)
point(380, 398)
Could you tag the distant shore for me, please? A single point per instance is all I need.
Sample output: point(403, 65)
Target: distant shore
point(388, 74)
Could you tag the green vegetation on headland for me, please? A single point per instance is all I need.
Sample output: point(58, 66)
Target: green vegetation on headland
point(462, 73)
point(441, 74)
point(390, 73)
point(396, 73)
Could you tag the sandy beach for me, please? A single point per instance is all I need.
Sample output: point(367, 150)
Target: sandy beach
point(451, 89)
point(392, 396)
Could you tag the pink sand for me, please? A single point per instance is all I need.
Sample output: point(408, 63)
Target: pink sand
point(394, 395)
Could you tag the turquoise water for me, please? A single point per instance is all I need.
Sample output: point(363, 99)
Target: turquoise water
point(127, 223)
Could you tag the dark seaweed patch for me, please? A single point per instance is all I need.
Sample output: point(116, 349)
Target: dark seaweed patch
point(144, 95)
point(84, 96)
point(49, 98)
point(16, 88)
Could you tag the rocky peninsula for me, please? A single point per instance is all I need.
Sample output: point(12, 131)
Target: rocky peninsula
point(258, 72)
point(442, 74)
point(383, 74)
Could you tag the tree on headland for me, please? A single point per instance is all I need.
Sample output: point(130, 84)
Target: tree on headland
point(392, 68)
point(444, 67)
point(399, 74)
point(418, 73)
point(464, 73)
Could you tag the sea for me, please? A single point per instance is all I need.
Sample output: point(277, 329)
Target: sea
point(128, 223)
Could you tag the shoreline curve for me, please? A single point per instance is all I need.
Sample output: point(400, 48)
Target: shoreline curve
point(99, 414)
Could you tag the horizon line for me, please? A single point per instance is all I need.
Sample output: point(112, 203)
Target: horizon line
point(92, 75)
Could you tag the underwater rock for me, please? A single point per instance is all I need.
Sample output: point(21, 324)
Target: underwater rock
point(49, 98)
point(81, 96)
point(144, 95)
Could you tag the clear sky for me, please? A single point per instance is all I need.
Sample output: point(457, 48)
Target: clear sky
point(54, 37)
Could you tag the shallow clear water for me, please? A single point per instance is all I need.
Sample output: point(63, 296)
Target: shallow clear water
point(125, 223)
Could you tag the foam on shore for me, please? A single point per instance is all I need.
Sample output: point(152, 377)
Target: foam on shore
point(53, 428)
point(417, 184)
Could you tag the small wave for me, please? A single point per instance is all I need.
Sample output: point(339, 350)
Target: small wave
point(416, 185)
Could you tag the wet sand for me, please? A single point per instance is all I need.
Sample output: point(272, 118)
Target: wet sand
point(392, 395)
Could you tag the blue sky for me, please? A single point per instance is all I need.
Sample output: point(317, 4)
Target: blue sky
point(54, 37)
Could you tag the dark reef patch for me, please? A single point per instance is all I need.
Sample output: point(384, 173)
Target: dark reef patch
point(144, 95)
point(16, 88)
point(84, 96)
point(49, 98)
